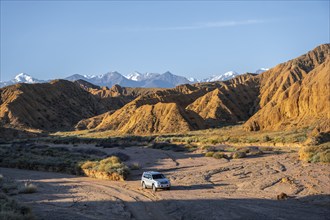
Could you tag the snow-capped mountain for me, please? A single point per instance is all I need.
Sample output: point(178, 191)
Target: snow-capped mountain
point(221, 77)
point(108, 79)
point(193, 80)
point(21, 78)
point(135, 79)
point(261, 70)
point(25, 78)
point(136, 76)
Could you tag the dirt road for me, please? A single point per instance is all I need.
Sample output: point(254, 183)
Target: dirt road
point(203, 188)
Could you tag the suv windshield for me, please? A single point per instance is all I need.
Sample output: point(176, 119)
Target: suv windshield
point(158, 176)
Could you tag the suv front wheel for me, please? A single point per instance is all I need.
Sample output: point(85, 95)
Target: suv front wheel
point(144, 185)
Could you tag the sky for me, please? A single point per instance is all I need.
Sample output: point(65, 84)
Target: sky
point(55, 39)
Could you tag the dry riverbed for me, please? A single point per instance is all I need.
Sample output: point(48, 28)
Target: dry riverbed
point(203, 188)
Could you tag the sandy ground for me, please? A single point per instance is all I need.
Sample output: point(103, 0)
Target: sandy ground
point(202, 188)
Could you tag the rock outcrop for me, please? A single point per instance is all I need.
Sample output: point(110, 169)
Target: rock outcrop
point(295, 94)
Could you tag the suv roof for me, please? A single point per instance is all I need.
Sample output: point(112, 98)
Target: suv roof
point(152, 172)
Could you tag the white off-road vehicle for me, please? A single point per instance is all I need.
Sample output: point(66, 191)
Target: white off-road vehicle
point(155, 180)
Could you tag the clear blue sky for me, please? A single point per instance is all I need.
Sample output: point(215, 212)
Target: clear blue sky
point(194, 39)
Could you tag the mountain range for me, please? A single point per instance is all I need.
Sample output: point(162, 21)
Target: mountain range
point(135, 79)
point(291, 95)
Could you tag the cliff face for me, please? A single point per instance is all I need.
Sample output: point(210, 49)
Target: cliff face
point(295, 94)
point(232, 102)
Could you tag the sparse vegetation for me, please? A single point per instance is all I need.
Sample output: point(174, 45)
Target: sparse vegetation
point(218, 155)
point(28, 188)
point(315, 154)
point(109, 168)
point(59, 159)
point(239, 154)
point(209, 154)
point(9, 208)
point(135, 166)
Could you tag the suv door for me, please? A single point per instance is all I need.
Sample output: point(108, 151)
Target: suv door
point(147, 180)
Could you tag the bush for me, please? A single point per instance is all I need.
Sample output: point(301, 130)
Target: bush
point(266, 138)
point(245, 150)
point(205, 147)
point(234, 140)
point(11, 210)
point(218, 155)
point(256, 152)
point(315, 154)
point(28, 188)
point(230, 149)
point(209, 154)
point(88, 165)
point(325, 156)
point(108, 165)
point(239, 154)
point(135, 166)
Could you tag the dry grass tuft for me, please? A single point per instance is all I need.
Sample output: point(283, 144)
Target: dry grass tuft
point(111, 165)
point(28, 188)
point(209, 154)
point(135, 166)
point(9, 208)
point(314, 154)
point(218, 155)
point(239, 154)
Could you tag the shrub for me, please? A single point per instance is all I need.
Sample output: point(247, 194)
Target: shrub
point(218, 155)
point(8, 187)
point(88, 165)
point(207, 147)
point(239, 154)
point(28, 188)
point(230, 149)
point(215, 141)
point(209, 154)
point(256, 152)
point(266, 138)
point(325, 156)
point(11, 210)
point(135, 166)
point(108, 165)
point(121, 156)
point(245, 150)
point(234, 140)
point(252, 140)
point(266, 148)
point(315, 154)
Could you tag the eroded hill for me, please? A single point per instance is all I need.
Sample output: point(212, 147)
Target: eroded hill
point(292, 94)
point(57, 105)
point(295, 94)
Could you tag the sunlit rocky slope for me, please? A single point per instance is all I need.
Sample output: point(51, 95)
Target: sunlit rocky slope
point(292, 94)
